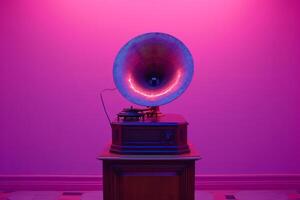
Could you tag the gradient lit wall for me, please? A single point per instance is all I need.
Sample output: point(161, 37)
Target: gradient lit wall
point(242, 106)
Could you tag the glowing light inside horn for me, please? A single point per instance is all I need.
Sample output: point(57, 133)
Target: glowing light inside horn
point(149, 53)
point(152, 95)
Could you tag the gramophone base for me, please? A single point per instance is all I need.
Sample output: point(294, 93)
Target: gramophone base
point(165, 134)
point(147, 150)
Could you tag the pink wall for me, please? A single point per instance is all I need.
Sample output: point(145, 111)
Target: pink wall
point(242, 105)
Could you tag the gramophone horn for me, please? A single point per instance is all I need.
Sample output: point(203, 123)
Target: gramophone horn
point(153, 69)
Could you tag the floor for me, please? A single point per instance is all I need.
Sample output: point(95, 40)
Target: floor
point(200, 195)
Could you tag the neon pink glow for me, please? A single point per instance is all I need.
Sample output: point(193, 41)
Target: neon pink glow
point(152, 94)
point(242, 105)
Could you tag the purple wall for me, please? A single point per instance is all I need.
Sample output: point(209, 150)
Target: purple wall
point(242, 105)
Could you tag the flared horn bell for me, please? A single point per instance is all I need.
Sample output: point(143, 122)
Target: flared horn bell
point(153, 69)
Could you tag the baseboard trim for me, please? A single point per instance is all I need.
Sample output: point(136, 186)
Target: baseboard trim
point(94, 182)
point(51, 182)
point(248, 182)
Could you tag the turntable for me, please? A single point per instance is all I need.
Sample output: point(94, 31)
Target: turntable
point(151, 70)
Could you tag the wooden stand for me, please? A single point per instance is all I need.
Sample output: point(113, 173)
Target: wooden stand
point(149, 177)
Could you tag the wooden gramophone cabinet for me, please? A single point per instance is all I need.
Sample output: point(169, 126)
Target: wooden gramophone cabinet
point(149, 177)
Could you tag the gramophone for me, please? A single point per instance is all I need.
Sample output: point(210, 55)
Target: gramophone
point(151, 70)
